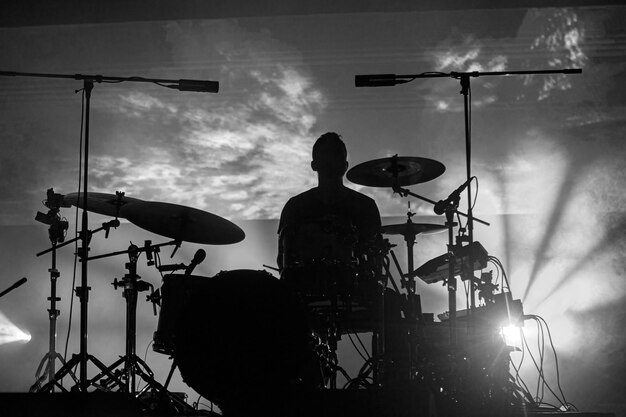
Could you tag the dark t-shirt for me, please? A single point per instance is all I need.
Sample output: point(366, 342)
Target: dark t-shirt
point(311, 228)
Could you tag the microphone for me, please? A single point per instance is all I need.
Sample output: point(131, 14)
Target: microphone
point(375, 80)
point(197, 259)
point(14, 286)
point(199, 86)
point(440, 206)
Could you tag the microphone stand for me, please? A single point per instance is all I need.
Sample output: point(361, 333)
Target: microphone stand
point(83, 290)
point(386, 80)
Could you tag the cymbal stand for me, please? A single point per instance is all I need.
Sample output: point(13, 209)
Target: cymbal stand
point(377, 263)
point(414, 312)
point(130, 362)
point(380, 333)
point(132, 366)
point(451, 282)
point(56, 233)
point(67, 368)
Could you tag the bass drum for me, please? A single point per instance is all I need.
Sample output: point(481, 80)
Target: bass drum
point(238, 335)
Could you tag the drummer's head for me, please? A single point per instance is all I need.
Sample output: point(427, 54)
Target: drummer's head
point(330, 157)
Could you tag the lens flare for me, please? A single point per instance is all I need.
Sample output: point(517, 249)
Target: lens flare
point(512, 335)
point(9, 332)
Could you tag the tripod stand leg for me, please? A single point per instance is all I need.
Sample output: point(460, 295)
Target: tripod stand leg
point(166, 400)
point(43, 372)
point(169, 375)
point(107, 371)
point(61, 373)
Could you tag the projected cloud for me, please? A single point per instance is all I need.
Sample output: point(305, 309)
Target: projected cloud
point(244, 157)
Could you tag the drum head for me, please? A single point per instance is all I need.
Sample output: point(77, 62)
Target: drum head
point(242, 332)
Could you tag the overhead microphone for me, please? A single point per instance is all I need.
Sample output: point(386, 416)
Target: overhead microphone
point(198, 86)
point(375, 80)
point(441, 205)
point(198, 257)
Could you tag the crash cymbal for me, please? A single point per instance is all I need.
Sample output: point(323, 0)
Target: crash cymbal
point(395, 171)
point(184, 223)
point(103, 203)
point(412, 229)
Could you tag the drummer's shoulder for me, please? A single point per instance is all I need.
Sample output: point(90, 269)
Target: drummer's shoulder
point(302, 197)
point(360, 196)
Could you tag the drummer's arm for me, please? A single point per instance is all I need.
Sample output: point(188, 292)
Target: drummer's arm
point(281, 251)
point(284, 219)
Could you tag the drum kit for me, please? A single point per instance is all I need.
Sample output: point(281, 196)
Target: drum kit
point(242, 332)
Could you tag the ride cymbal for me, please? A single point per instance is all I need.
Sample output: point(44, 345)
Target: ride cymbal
point(395, 171)
point(184, 223)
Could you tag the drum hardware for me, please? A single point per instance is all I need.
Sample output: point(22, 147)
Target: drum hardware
point(273, 268)
point(123, 373)
point(395, 172)
point(327, 351)
point(88, 84)
point(409, 231)
point(450, 206)
point(82, 293)
point(148, 248)
point(151, 251)
point(56, 232)
point(130, 362)
point(119, 204)
point(436, 269)
point(55, 201)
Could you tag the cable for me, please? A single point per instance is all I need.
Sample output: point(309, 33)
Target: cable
point(540, 348)
point(475, 192)
point(499, 264)
point(145, 356)
point(76, 233)
point(357, 348)
point(362, 345)
point(540, 370)
point(518, 379)
point(556, 360)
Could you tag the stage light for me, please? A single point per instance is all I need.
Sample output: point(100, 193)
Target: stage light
point(9, 332)
point(512, 335)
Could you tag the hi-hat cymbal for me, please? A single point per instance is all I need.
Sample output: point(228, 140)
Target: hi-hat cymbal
point(395, 171)
point(184, 223)
point(103, 203)
point(412, 229)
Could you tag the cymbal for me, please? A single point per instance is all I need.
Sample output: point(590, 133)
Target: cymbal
point(102, 203)
point(412, 229)
point(184, 223)
point(395, 170)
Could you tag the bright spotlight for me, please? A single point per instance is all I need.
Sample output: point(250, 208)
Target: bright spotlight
point(512, 335)
point(9, 332)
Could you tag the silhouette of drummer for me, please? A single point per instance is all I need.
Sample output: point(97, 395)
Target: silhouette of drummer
point(331, 223)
